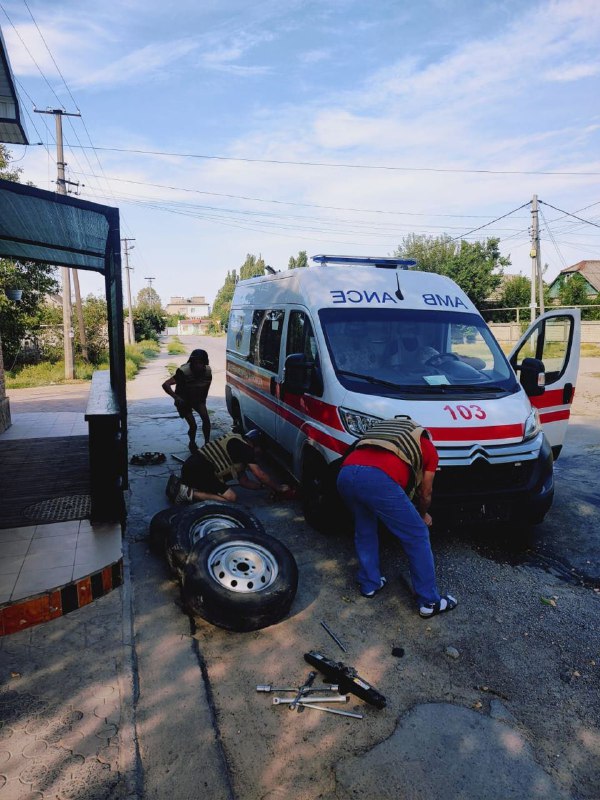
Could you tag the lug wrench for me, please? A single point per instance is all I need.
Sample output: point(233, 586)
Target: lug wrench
point(326, 687)
point(332, 710)
point(302, 691)
point(309, 699)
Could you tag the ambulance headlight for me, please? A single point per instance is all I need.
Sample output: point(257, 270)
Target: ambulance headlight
point(355, 423)
point(532, 425)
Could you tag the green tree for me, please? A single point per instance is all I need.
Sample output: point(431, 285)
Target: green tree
point(6, 173)
point(95, 322)
point(149, 318)
point(573, 291)
point(475, 266)
point(222, 305)
point(300, 261)
point(252, 267)
point(24, 317)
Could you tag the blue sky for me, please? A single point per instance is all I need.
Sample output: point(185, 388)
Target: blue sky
point(457, 103)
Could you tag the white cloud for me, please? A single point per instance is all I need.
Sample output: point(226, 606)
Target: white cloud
point(573, 72)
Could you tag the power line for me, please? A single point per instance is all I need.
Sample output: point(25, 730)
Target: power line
point(487, 224)
point(568, 214)
point(342, 165)
point(291, 203)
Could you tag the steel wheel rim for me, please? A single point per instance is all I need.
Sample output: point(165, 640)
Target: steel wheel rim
point(243, 567)
point(211, 524)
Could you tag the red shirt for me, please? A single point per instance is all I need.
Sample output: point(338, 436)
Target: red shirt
point(389, 463)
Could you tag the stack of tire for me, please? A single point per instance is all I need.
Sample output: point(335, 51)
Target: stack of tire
point(233, 574)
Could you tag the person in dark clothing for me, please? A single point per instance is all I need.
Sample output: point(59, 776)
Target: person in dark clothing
point(205, 474)
point(192, 381)
point(394, 461)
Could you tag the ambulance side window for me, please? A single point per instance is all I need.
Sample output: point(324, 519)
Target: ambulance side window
point(257, 320)
point(269, 334)
point(301, 339)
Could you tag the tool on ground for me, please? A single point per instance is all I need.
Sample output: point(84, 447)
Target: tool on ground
point(302, 691)
point(347, 678)
point(333, 636)
point(333, 711)
point(177, 458)
point(313, 698)
point(326, 687)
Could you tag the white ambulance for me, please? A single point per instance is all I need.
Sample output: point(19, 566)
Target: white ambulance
point(316, 355)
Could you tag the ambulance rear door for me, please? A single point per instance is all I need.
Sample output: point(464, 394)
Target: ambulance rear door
point(554, 338)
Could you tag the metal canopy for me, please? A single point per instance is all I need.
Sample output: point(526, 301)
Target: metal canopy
point(12, 130)
point(49, 228)
point(41, 226)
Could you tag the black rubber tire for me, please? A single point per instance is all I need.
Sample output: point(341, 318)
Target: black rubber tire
point(322, 505)
point(194, 522)
point(159, 529)
point(223, 575)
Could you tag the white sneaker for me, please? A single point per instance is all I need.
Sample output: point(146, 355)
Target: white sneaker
point(184, 494)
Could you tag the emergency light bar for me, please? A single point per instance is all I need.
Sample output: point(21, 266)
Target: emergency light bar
point(372, 261)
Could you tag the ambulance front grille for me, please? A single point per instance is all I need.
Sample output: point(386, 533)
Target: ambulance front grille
point(483, 477)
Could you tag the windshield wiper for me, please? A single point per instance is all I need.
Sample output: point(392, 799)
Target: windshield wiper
point(408, 389)
point(370, 379)
point(478, 388)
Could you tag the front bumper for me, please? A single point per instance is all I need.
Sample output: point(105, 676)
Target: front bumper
point(519, 490)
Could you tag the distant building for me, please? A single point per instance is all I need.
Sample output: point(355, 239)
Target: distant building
point(192, 307)
point(589, 270)
point(187, 327)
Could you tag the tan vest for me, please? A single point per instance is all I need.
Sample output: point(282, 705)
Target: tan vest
point(216, 453)
point(193, 384)
point(402, 437)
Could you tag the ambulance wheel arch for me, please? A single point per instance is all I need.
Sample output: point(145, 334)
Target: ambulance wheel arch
point(555, 340)
point(322, 506)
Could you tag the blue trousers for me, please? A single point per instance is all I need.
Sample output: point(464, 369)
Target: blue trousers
point(372, 495)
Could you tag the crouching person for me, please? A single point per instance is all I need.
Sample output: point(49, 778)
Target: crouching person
point(205, 474)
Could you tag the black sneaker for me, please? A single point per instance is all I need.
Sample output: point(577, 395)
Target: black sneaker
point(172, 487)
point(374, 591)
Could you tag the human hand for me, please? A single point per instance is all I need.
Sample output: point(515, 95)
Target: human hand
point(427, 519)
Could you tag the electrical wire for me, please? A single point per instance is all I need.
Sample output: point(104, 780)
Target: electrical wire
point(481, 227)
point(568, 213)
point(340, 165)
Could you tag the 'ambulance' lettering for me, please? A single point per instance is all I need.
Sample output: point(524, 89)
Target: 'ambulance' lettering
point(438, 300)
point(357, 296)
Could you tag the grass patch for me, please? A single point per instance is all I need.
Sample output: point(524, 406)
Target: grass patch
point(172, 369)
point(590, 349)
point(48, 374)
point(175, 347)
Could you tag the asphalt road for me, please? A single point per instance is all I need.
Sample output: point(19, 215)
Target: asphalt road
point(525, 638)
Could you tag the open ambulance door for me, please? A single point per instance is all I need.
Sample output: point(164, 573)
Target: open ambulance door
point(554, 339)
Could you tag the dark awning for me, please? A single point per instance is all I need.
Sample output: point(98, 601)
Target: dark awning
point(36, 225)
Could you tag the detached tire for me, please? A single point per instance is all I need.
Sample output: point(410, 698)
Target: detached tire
point(160, 528)
point(194, 522)
point(240, 580)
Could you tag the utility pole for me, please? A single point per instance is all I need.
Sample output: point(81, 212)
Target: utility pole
point(534, 253)
point(149, 281)
point(130, 327)
point(61, 188)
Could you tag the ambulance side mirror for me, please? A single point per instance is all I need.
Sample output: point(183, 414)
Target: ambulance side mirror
point(298, 373)
point(533, 376)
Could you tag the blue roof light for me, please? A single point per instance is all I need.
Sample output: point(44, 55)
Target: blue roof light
point(385, 262)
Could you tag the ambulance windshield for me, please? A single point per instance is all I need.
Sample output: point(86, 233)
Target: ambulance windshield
point(375, 350)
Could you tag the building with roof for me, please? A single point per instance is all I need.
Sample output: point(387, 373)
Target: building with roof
point(589, 271)
point(192, 307)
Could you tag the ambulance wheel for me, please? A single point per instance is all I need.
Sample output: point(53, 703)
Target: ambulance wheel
point(197, 521)
point(236, 416)
point(322, 506)
point(159, 529)
point(241, 580)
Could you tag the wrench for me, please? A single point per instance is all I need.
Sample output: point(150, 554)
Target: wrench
point(326, 687)
point(336, 698)
point(302, 691)
point(332, 710)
